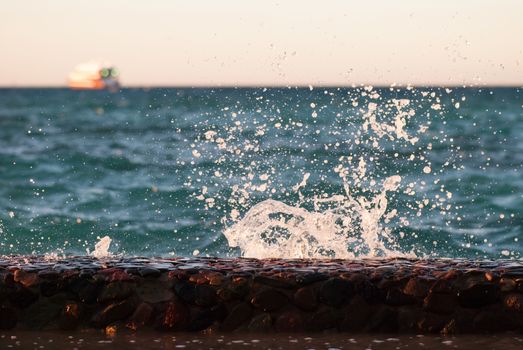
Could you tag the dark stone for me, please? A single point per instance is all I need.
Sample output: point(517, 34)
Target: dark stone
point(118, 311)
point(514, 302)
point(118, 290)
point(27, 279)
point(8, 318)
point(204, 295)
point(493, 320)
point(149, 272)
point(200, 320)
point(306, 298)
point(408, 318)
point(22, 297)
point(43, 312)
point(261, 323)
point(175, 316)
point(507, 284)
point(289, 321)
point(356, 314)
point(322, 319)
point(239, 315)
point(86, 290)
point(186, 291)
point(269, 300)
point(395, 297)
point(432, 323)
point(153, 292)
point(385, 319)
point(309, 278)
point(478, 295)
point(273, 282)
point(335, 291)
point(70, 316)
point(440, 303)
point(417, 287)
point(140, 317)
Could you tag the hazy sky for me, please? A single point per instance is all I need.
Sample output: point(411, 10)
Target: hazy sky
point(226, 42)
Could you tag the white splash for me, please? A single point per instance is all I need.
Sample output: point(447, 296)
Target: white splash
point(348, 228)
point(101, 248)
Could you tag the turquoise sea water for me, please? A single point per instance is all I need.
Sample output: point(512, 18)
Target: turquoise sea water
point(164, 171)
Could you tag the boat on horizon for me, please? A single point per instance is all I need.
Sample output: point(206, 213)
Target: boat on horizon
point(94, 76)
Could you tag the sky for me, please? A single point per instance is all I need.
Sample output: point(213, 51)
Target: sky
point(255, 43)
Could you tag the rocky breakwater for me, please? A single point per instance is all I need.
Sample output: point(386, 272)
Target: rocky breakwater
point(234, 295)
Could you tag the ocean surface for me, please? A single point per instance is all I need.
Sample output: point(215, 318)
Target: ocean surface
point(292, 172)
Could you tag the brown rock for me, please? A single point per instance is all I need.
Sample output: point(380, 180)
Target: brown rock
point(175, 317)
point(335, 291)
point(8, 318)
point(478, 295)
point(514, 302)
point(322, 319)
point(432, 323)
point(507, 284)
point(27, 279)
point(204, 295)
point(239, 315)
point(116, 291)
point(153, 292)
point(261, 323)
point(356, 314)
point(440, 303)
point(115, 312)
point(306, 298)
point(395, 297)
point(269, 300)
point(140, 317)
point(418, 287)
point(289, 321)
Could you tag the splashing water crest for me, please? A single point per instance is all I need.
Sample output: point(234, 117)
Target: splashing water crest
point(101, 248)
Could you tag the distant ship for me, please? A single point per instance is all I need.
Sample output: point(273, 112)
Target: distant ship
point(94, 76)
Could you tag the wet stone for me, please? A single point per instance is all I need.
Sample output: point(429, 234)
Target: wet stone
point(310, 278)
point(335, 291)
point(27, 279)
point(417, 287)
point(149, 272)
point(153, 292)
point(114, 312)
point(239, 315)
point(514, 302)
point(8, 318)
point(322, 319)
point(440, 303)
point(185, 291)
point(273, 282)
point(478, 295)
point(116, 291)
point(204, 295)
point(395, 297)
point(290, 321)
point(175, 316)
point(356, 315)
point(261, 323)
point(200, 319)
point(269, 300)
point(306, 298)
point(432, 323)
point(140, 317)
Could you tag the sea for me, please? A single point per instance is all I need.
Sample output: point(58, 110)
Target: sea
point(294, 172)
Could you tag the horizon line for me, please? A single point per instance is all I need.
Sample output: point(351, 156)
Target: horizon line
point(261, 86)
